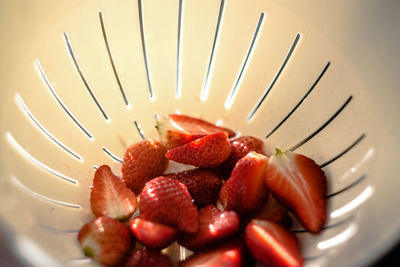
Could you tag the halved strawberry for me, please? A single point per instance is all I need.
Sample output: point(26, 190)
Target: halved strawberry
point(176, 130)
point(208, 151)
point(245, 191)
point(110, 196)
point(143, 161)
point(106, 240)
point(272, 244)
point(273, 211)
point(167, 201)
point(228, 254)
point(151, 234)
point(147, 258)
point(215, 225)
point(240, 147)
point(202, 184)
point(298, 183)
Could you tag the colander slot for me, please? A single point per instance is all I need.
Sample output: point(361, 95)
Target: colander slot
point(44, 198)
point(44, 130)
point(343, 152)
point(178, 52)
point(347, 187)
point(20, 149)
point(103, 29)
point(300, 102)
point(57, 230)
point(58, 99)
point(232, 93)
point(83, 78)
point(206, 85)
point(323, 126)
point(280, 70)
point(146, 62)
point(336, 224)
point(139, 129)
point(111, 155)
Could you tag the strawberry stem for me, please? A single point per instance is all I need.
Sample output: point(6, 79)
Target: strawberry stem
point(278, 151)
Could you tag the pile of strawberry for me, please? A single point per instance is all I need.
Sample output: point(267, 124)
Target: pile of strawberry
point(231, 209)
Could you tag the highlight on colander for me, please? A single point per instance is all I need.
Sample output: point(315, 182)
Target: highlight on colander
point(199, 133)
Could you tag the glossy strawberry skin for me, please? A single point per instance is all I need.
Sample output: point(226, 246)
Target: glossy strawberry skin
point(106, 240)
point(151, 234)
point(299, 184)
point(110, 196)
point(208, 151)
point(244, 191)
point(167, 201)
point(142, 162)
point(147, 258)
point(272, 244)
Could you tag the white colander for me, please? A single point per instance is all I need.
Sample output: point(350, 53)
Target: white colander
point(82, 80)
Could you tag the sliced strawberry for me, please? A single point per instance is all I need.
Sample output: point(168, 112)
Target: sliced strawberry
point(106, 240)
point(299, 183)
point(202, 184)
point(143, 161)
point(240, 147)
point(167, 201)
point(228, 254)
point(215, 225)
point(208, 151)
point(273, 211)
point(272, 244)
point(147, 257)
point(110, 196)
point(151, 234)
point(244, 191)
point(176, 130)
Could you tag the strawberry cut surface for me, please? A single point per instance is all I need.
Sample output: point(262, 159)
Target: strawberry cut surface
point(110, 196)
point(299, 183)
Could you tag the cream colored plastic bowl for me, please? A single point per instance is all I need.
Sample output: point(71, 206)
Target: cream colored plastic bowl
point(81, 80)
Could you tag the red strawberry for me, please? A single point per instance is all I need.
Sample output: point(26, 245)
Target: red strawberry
point(228, 254)
point(299, 183)
point(215, 225)
point(151, 234)
point(244, 191)
point(208, 151)
point(176, 130)
point(273, 211)
point(106, 240)
point(202, 184)
point(272, 244)
point(167, 201)
point(143, 161)
point(147, 257)
point(240, 147)
point(110, 196)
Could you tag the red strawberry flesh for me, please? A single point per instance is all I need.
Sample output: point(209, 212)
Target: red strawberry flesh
point(147, 258)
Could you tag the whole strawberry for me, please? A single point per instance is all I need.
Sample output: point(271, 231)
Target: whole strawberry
point(167, 201)
point(208, 151)
point(143, 161)
point(176, 130)
point(202, 184)
point(106, 240)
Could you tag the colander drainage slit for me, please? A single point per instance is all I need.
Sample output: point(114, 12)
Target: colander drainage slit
point(106, 42)
point(20, 149)
point(83, 78)
point(42, 197)
point(178, 52)
point(280, 70)
point(339, 223)
point(44, 130)
point(343, 152)
point(300, 102)
point(56, 230)
point(232, 93)
point(323, 126)
point(206, 83)
point(359, 180)
point(58, 99)
point(146, 62)
point(140, 131)
point(111, 155)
